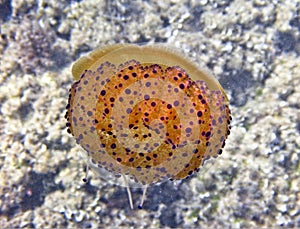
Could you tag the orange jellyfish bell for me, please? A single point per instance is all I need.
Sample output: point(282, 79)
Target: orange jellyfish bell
point(146, 114)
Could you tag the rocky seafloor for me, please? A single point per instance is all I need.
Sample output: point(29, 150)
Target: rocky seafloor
point(253, 48)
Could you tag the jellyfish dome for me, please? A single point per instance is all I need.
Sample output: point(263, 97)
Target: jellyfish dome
point(145, 113)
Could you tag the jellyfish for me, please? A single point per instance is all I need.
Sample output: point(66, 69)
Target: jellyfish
point(145, 114)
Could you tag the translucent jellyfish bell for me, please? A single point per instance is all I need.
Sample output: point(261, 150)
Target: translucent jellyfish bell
point(145, 114)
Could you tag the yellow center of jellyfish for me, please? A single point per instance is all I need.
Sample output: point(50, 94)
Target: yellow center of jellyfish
point(146, 112)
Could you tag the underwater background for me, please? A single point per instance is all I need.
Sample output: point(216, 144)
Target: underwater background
point(252, 47)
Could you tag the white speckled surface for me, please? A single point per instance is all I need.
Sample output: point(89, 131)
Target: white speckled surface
point(253, 48)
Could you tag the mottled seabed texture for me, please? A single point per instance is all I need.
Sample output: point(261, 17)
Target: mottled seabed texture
point(253, 47)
